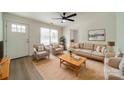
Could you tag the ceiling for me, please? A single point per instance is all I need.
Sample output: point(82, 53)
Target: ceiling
point(46, 17)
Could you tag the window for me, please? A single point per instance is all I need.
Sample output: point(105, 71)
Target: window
point(54, 36)
point(18, 28)
point(45, 36)
point(48, 36)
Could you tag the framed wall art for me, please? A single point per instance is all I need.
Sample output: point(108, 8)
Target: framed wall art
point(96, 35)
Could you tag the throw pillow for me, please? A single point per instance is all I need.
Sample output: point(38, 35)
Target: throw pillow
point(121, 67)
point(41, 48)
point(98, 49)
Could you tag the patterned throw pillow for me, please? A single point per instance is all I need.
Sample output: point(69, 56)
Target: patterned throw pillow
point(98, 49)
point(40, 48)
point(101, 49)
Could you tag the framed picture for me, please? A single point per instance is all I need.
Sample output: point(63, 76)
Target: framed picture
point(96, 35)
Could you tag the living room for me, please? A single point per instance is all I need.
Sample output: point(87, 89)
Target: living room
point(110, 23)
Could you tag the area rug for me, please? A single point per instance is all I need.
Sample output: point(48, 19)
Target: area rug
point(50, 70)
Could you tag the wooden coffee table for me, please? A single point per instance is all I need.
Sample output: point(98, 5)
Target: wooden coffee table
point(72, 63)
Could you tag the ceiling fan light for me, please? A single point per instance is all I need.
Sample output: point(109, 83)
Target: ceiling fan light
point(63, 21)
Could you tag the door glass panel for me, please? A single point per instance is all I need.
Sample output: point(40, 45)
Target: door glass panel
point(18, 28)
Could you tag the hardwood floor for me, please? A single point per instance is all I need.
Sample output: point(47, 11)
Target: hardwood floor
point(23, 69)
point(49, 69)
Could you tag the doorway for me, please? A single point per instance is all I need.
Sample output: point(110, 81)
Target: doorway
point(74, 35)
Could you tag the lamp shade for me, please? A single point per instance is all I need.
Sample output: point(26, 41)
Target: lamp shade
point(111, 43)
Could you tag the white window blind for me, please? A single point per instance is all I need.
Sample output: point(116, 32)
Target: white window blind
point(48, 36)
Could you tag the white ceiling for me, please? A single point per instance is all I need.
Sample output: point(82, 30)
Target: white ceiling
point(46, 17)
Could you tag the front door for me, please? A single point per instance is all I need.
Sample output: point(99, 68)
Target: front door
point(17, 40)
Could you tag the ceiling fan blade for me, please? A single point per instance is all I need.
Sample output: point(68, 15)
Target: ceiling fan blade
point(70, 19)
point(71, 15)
point(56, 18)
point(64, 13)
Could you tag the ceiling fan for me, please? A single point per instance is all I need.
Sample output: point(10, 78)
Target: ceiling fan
point(64, 17)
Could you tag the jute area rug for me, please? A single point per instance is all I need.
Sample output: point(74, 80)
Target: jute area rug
point(50, 69)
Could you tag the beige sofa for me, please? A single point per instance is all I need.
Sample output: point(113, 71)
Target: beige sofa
point(89, 50)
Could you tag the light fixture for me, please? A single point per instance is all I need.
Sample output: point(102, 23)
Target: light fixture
point(63, 21)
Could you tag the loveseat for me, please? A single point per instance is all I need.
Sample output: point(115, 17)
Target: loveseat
point(90, 50)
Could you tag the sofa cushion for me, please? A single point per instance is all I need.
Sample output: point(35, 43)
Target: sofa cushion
point(59, 49)
point(97, 53)
point(88, 46)
point(85, 51)
point(74, 49)
point(115, 72)
point(43, 52)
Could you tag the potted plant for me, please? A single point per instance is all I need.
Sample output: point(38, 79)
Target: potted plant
point(62, 41)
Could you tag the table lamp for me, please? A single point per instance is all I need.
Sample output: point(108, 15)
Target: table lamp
point(111, 44)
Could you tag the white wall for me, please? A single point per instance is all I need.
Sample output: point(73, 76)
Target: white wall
point(92, 20)
point(34, 28)
point(1, 27)
point(120, 30)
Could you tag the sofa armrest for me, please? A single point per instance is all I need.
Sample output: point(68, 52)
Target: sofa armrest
point(35, 51)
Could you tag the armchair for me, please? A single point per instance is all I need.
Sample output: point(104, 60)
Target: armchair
point(40, 51)
point(57, 49)
point(111, 69)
